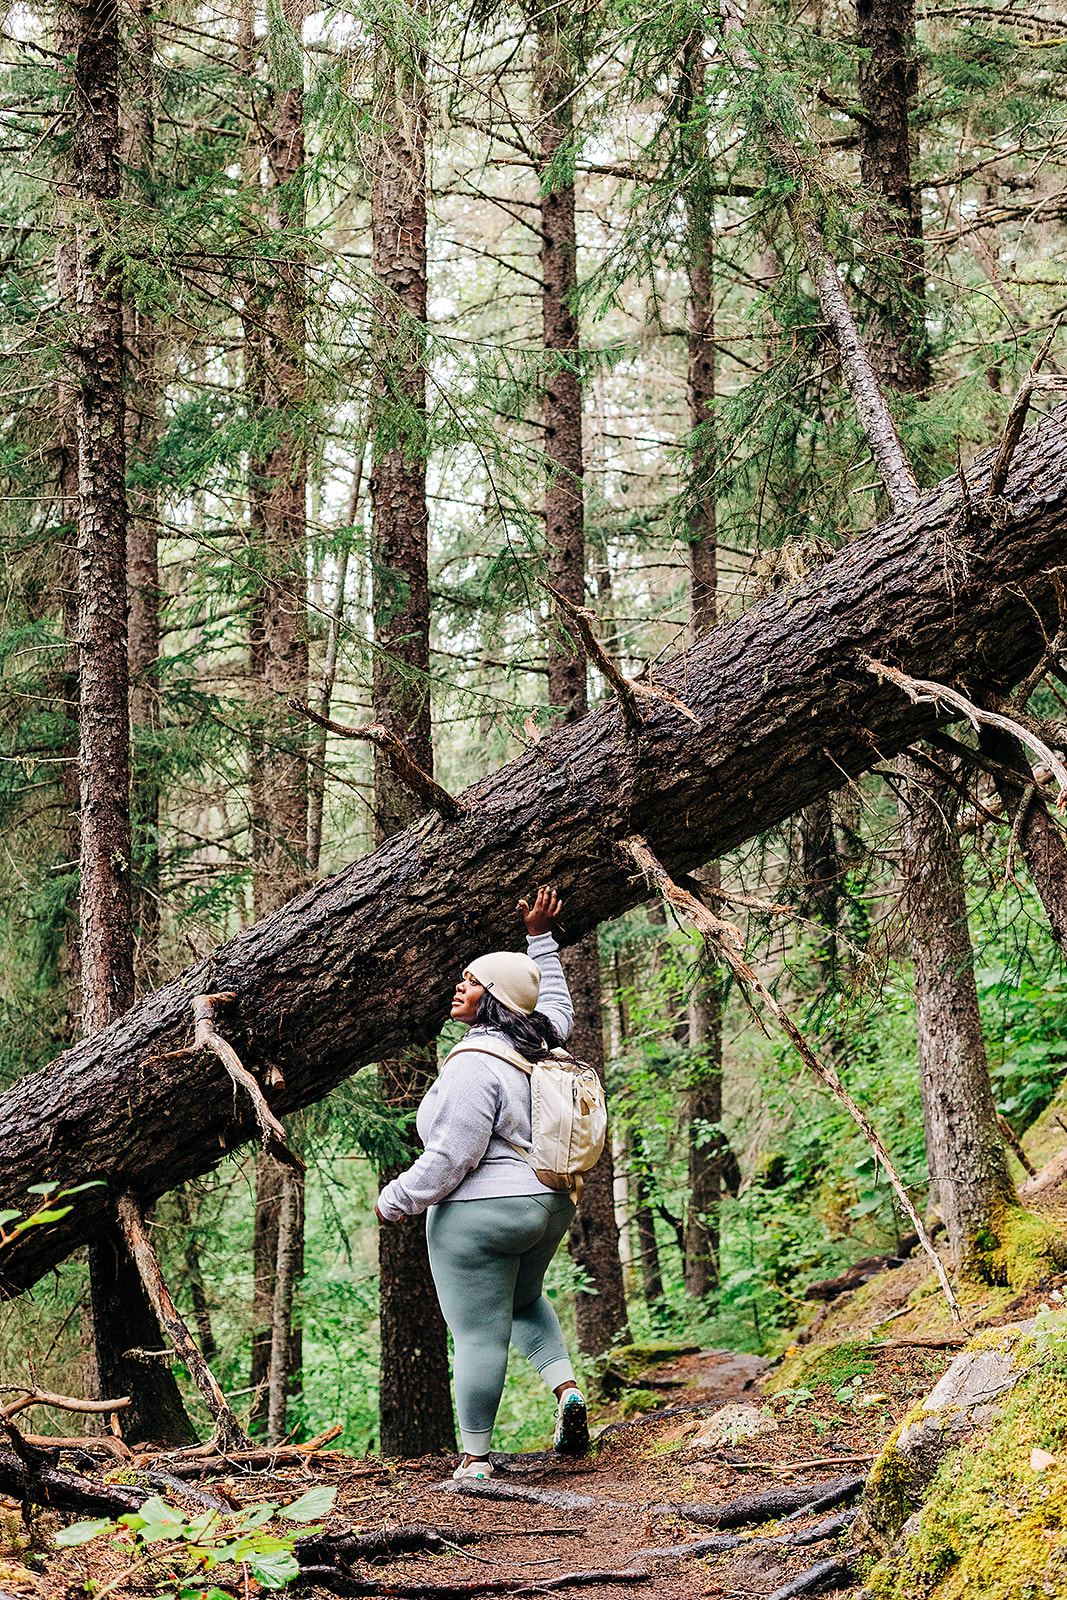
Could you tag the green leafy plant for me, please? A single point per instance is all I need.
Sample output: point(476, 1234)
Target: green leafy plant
point(214, 1538)
point(50, 1212)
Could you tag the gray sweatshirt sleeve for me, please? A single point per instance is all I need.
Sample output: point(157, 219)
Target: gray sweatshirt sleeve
point(555, 998)
point(464, 1105)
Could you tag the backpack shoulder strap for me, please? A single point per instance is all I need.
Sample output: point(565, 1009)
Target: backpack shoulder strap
point(500, 1051)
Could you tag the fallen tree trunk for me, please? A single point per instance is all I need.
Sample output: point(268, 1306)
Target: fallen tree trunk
point(363, 965)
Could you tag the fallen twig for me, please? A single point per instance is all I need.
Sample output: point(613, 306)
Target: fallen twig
point(116, 1448)
point(349, 1546)
point(207, 1038)
point(728, 942)
point(1011, 1138)
point(228, 1431)
point(922, 691)
point(407, 770)
point(190, 1466)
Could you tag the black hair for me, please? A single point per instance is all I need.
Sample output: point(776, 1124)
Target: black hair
point(533, 1036)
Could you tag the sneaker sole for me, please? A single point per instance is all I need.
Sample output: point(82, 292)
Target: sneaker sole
point(573, 1436)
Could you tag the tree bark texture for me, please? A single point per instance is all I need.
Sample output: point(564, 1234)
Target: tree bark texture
point(141, 341)
point(707, 1151)
point(700, 350)
point(414, 1401)
point(594, 1241)
point(107, 934)
point(1040, 837)
point(965, 1153)
point(269, 1177)
point(889, 87)
point(280, 864)
point(66, 39)
point(123, 1319)
point(282, 1311)
point(363, 965)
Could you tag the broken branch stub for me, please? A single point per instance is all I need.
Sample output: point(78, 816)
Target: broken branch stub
point(727, 942)
point(206, 1038)
point(627, 689)
point(408, 771)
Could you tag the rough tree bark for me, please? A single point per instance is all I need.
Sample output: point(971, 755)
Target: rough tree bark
point(107, 934)
point(364, 963)
point(594, 1239)
point(415, 1402)
point(277, 373)
point(704, 1098)
point(889, 87)
point(965, 1153)
point(141, 341)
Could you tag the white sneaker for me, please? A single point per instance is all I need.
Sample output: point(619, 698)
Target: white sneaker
point(572, 1425)
point(474, 1469)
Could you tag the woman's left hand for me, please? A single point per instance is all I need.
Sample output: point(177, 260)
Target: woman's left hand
point(540, 916)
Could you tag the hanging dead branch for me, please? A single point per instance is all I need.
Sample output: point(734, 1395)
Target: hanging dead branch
point(229, 1434)
point(728, 945)
point(922, 691)
point(428, 789)
point(61, 1402)
point(206, 1038)
point(1013, 428)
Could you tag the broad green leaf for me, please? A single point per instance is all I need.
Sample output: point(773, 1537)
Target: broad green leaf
point(82, 1532)
point(42, 1188)
point(8, 1216)
point(318, 1502)
point(275, 1571)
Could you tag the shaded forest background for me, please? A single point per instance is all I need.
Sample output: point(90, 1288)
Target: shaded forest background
point(294, 371)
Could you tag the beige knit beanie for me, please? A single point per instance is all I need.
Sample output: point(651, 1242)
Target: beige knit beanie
point(512, 979)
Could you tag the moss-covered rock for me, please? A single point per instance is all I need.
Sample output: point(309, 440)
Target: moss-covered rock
point(990, 1522)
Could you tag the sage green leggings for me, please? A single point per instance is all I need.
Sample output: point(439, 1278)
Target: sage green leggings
point(489, 1259)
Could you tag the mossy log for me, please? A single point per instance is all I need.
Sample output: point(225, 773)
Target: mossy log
point(360, 967)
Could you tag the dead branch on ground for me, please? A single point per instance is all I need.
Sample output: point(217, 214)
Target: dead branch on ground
point(62, 1402)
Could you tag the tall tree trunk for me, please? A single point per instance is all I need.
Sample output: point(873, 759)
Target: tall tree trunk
point(104, 735)
point(123, 1320)
point(964, 1149)
point(107, 934)
point(364, 965)
point(276, 383)
point(889, 87)
point(704, 1094)
point(968, 1165)
point(415, 1403)
point(594, 1240)
point(281, 1320)
point(141, 342)
point(66, 37)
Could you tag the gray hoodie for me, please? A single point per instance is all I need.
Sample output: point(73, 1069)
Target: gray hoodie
point(478, 1108)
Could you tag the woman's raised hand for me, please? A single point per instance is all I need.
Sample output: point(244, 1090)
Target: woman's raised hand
point(540, 916)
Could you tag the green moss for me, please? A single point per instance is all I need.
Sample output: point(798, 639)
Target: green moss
point(834, 1364)
point(1019, 1250)
point(991, 1528)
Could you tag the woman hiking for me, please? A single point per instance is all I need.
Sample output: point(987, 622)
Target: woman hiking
point(492, 1226)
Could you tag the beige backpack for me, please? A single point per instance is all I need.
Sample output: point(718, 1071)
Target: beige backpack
point(568, 1114)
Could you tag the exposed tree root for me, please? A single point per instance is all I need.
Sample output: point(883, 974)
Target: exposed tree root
point(348, 1547)
point(340, 1583)
point(832, 1573)
point(766, 1506)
